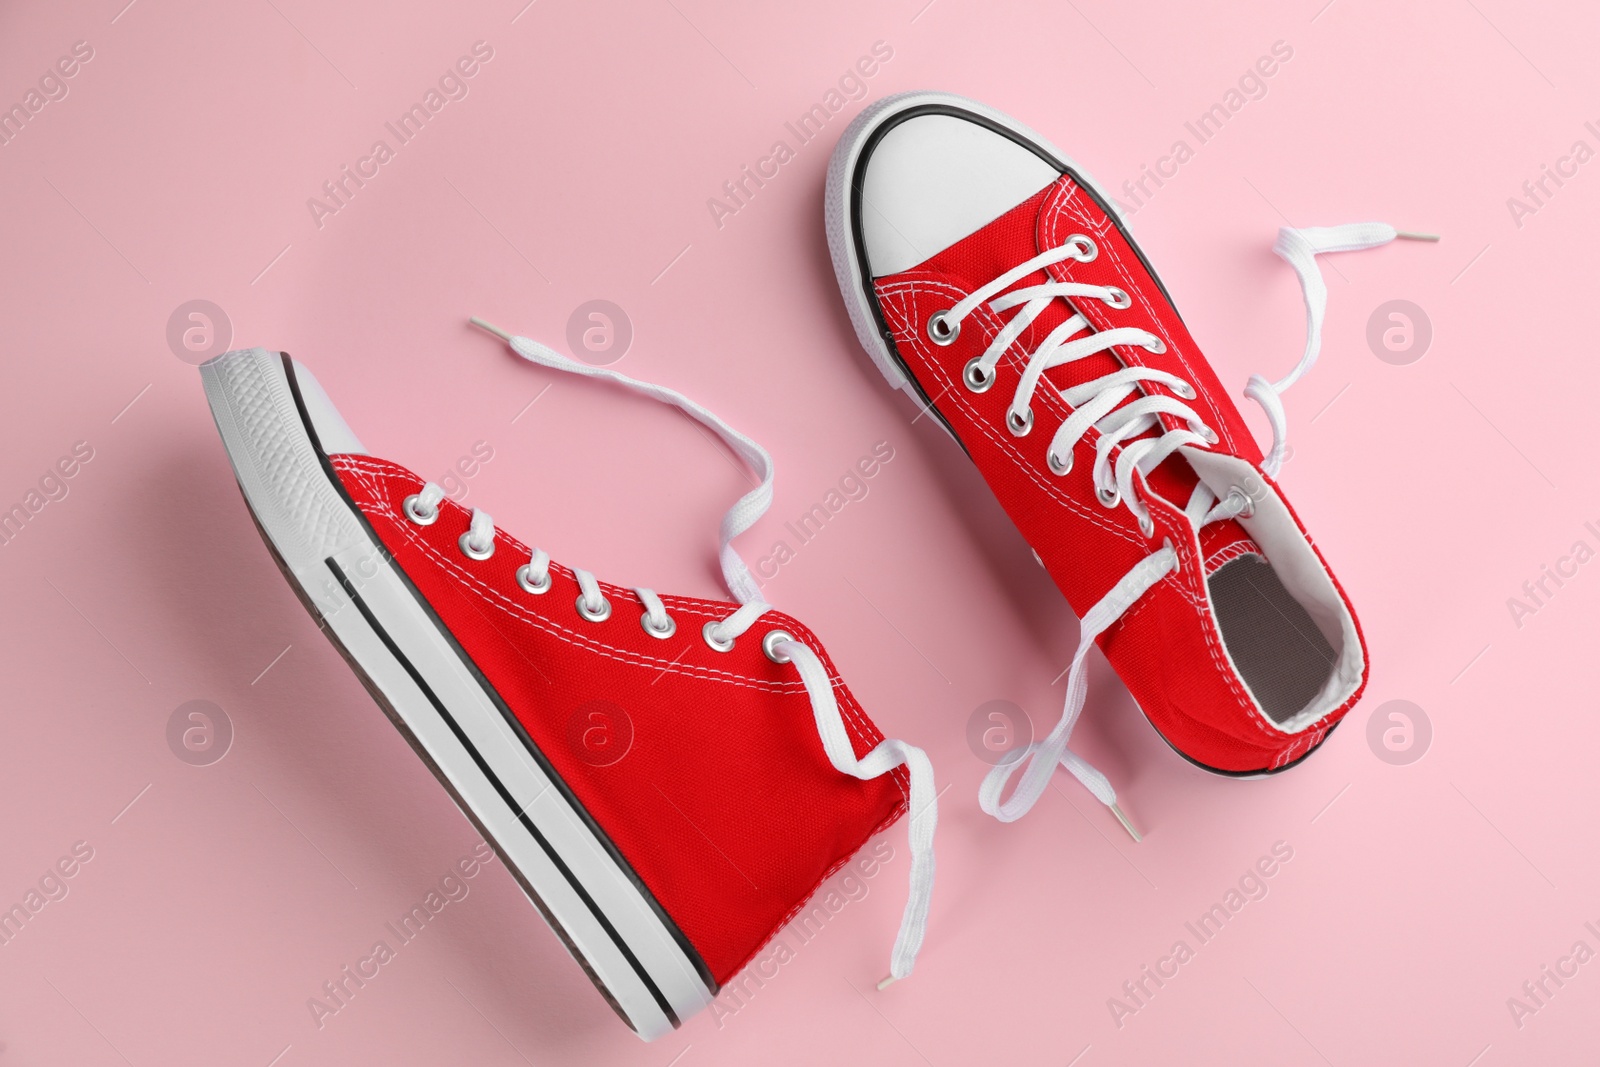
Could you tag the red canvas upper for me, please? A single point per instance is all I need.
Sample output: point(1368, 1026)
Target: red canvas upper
point(1167, 647)
point(724, 803)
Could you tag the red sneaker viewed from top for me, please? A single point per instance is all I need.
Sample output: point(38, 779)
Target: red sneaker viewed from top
point(989, 278)
point(668, 778)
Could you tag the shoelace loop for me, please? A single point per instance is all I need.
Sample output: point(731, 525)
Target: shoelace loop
point(1105, 405)
point(1120, 450)
point(721, 635)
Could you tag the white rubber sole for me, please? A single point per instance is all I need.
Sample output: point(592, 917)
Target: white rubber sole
point(437, 698)
point(855, 286)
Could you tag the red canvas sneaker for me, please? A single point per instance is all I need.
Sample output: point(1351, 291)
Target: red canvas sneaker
point(669, 778)
point(992, 281)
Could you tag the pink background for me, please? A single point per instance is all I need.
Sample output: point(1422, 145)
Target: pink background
point(1419, 897)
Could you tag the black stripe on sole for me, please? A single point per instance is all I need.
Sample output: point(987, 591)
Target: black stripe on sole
point(504, 793)
point(684, 944)
point(382, 700)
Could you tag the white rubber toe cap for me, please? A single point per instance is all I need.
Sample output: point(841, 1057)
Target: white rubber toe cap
point(934, 179)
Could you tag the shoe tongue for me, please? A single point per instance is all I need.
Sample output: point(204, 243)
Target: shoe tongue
point(1000, 246)
point(1223, 542)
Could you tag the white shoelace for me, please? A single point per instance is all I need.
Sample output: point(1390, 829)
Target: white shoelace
point(534, 577)
point(1120, 451)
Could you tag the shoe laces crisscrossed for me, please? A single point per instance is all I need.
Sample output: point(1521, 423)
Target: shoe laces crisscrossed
point(1119, 410)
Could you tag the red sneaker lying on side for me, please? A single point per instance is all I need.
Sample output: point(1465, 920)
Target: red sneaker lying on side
point(669, 778)
point(990, 279)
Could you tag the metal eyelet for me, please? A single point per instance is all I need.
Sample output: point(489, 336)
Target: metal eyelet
point(528, 584)
point(770, 643)
point(412, 506)
point(1147, 525)
point(1155, 345)
point(1086, 246)
point(725, 645)
point(594, 616)
point(940, 331)
point(1055, 463)
point(976, 378)
point(1109, 497)
point(1208, 433)
point(471, 551)
point(1249, 508)
point(1184, 389)
point(1019, 427)
point(665, 632)
point(1118, 298)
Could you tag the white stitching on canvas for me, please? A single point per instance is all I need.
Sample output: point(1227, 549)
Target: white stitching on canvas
point(370, 472)
point(1055, 211)
point(950, 391)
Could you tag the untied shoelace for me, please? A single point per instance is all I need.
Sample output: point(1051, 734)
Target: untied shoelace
point(534, 576)
point(1121, 450)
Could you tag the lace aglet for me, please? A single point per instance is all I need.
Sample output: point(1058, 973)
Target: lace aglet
point(888, 980)
point(1126, 824)
point(1412, 235)
point(490, 327)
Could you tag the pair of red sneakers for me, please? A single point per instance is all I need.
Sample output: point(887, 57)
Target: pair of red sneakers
point(987, 277)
